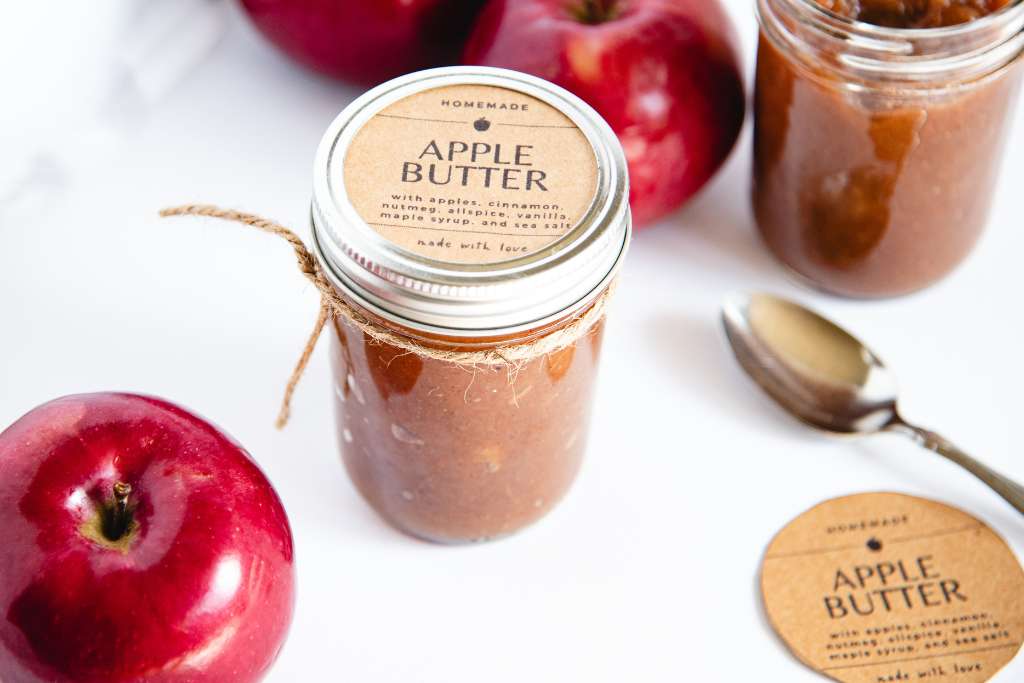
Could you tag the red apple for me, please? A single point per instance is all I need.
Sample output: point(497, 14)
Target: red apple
point(138, 543)
point(663, 73)
point(366, 41)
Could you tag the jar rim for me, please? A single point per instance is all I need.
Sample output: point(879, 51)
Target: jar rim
point(1004, 14)
point(914, 58)
point(469, 299)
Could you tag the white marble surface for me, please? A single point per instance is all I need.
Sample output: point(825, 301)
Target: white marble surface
point(647, 571)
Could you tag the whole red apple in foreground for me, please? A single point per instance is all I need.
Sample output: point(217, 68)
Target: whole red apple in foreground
point(366, 41)
point(138, 543)
point(663, 73)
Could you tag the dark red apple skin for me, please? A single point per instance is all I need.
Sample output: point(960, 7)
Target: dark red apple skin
point(204, 590)
point(366, 41)
point(665, 74)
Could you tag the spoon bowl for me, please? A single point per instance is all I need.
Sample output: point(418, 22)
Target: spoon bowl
point(827, 378)
point(816, 370)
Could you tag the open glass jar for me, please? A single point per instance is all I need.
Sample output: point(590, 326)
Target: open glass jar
point(474, 220)
point(877, 148)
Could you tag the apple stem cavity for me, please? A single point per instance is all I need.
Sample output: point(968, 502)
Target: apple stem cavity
point(597, 11)
point(118, 518)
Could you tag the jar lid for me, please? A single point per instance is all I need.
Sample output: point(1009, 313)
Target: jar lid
point(470, 201)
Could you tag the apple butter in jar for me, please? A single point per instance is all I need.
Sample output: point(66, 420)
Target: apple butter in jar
point(472, 221)
point(879, 129)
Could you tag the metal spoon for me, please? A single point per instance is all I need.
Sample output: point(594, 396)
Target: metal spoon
point(828, 379)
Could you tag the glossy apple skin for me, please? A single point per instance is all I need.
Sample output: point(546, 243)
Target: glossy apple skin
point(202, 592)
point(664, 73)
point(366, 41)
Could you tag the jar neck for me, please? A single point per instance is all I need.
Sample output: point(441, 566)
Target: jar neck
point(441, 341)
point(868, 55)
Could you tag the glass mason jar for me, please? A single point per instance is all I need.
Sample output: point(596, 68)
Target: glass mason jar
point(473, 219)
point(876, 149)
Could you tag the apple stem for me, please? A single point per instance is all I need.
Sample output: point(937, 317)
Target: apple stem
point(120, 517)
point(597, 11)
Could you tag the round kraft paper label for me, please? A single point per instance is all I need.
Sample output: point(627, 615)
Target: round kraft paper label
point(471, 174)
point(884, 587)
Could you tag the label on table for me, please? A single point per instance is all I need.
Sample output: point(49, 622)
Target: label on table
point(884, 587)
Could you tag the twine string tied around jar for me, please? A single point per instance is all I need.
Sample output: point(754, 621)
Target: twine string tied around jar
point(332, 304)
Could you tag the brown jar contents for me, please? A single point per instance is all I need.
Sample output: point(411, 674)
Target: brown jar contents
point(867, 190)
point(469, 313)
point(914, 13)
point(451, 455)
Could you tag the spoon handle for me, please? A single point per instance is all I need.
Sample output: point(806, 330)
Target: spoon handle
point(1010, 490)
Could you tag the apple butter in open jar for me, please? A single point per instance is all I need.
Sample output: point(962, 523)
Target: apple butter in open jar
point(879, 128)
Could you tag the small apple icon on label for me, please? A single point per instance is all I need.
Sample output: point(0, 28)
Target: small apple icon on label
point(482, 124)
point(139, 544)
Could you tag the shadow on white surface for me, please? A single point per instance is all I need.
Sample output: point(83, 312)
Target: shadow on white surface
point(696, 354)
